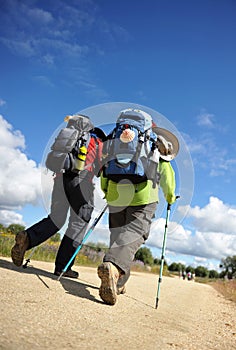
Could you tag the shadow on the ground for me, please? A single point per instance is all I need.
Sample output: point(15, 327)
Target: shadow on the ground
point(76, 287)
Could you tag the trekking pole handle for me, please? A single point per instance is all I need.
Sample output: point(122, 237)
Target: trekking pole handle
point(169, 205)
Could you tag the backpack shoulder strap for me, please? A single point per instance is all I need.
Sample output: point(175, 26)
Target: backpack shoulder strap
point(94, 156)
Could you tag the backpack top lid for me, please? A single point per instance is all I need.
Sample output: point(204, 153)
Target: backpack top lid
point(135, 117)
point(79, 121)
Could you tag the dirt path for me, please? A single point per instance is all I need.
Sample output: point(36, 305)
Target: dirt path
point(38, 312)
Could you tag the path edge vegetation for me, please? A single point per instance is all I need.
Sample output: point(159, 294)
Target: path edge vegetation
point(91, 255)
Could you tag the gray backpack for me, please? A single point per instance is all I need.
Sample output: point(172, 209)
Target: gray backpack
point(75, 134)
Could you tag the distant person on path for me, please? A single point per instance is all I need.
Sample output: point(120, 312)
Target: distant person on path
point(73, 192)
point(132, 200)
point(189, 275)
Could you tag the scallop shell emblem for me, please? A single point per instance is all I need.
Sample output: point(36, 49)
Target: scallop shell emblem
point(127, 135)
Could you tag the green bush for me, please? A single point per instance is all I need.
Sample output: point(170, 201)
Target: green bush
point(144, 254)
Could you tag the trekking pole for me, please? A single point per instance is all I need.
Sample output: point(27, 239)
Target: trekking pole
point(28, 260)
point(88, 233)
point(163, 252)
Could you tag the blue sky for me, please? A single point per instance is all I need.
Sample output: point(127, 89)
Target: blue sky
point(174, 57)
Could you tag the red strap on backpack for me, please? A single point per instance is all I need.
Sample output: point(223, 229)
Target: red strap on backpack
point(93, 161)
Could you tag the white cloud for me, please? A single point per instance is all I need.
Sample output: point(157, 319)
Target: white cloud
point(8, 217)
point(60, 38)
point(48, 59)
point(206, 119)
point(19, 47)
point(2, 102)
point(212, 152)
point(10, 138)
point(39, 15)
point(20, 177)
point(33, 31)
point(100, 234)
point(209, 264)
point(214, 217)
point(212, 236)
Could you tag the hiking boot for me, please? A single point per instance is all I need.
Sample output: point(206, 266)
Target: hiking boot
point(20, 247)
point(109, 275)
point(69, 273)
point(121, 290)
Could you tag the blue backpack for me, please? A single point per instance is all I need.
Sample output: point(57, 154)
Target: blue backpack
point(131, 154)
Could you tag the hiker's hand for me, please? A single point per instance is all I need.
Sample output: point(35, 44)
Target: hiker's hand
point(171, 198)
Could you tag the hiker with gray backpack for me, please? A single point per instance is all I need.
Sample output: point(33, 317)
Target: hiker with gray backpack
point(74, 159)
point(137, 157)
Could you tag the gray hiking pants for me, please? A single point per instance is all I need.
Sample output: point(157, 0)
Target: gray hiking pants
point(129, 229)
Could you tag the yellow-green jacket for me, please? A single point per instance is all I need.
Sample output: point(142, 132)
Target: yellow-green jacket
point(143, 193)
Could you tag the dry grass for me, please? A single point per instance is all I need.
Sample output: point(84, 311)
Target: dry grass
point(227, 288)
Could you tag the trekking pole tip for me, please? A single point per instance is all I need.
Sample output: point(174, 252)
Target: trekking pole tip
point(60, 276)
point(156, 306)
point(26, 263)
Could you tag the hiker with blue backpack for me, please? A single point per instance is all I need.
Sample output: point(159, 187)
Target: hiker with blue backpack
point(74, 159)
point(137, 157)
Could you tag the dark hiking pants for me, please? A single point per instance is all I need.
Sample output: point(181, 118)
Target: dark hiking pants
point(69, 195)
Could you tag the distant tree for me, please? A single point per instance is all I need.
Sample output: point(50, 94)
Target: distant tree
point(2, 228)
point(157, 261)
point(144, 254)
point(15, 228)
point(173, 267)
point(222, 274)
point(176, 267)
point(229, 267)
point(213, 274)
point(201, 271)
point(190, 269)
